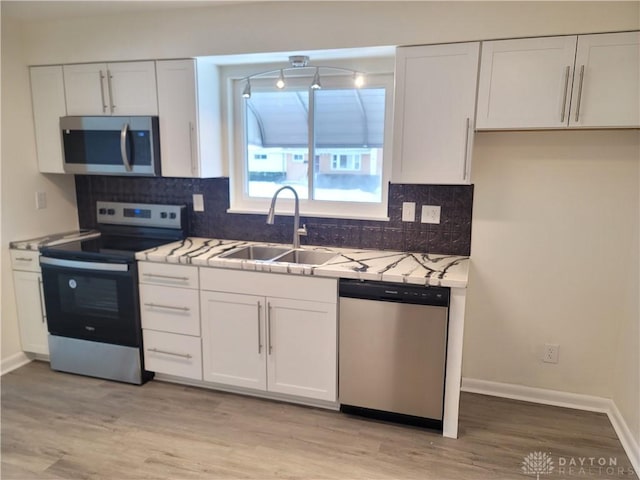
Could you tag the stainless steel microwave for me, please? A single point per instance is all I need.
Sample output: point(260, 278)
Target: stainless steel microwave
point(111, 145)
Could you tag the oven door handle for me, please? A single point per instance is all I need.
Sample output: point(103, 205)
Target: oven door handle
point(82, 265)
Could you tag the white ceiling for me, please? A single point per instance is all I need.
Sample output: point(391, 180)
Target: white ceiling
point(35, 10)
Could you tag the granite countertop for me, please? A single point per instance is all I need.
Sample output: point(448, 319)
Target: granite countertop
point(54, 239)
point(382, 265)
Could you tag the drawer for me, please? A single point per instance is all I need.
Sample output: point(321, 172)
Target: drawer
point(276, 285)
point(172, 354)
point(170, 309)
point(170, 275)
point(26, 260)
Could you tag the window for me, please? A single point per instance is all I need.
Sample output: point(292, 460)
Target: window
point(346, 162)
point(274, 143)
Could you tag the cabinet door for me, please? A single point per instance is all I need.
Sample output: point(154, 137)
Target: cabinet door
point(178, 121)
point(31, 313)
point(606, 89)
point(301, 346)
point(86, 89)
point(434, 113)
point(525, 83)
point(132, 88)
point(47, 96)
point(233, 339)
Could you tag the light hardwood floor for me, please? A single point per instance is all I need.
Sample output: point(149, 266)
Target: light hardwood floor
point(57, 425)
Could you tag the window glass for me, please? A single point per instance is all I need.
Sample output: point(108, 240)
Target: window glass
point(328, 144)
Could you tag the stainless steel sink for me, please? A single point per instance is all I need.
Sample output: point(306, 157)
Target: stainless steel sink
point(306, 257)
point(256, 252)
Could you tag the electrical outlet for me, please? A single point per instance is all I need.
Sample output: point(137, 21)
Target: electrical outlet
point(408, 211)
point(430, 214)
point(198, 202)
point(550, 354)
point(41, 200)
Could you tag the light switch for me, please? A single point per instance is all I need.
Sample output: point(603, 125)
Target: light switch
point(41, 200)
point(430, 214)
point(198, 202)
point(408, 211)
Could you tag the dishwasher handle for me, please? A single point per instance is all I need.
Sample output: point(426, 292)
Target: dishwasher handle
point(394, 292)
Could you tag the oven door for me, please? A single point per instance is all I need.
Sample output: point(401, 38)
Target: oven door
point(92, 300)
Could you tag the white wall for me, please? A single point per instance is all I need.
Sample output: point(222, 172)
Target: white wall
point(555, 260)
point(20, 179)
point(563, 252)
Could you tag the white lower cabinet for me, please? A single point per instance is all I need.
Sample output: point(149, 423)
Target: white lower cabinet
point(170, 316)
point(32, 319)
point(256, 340)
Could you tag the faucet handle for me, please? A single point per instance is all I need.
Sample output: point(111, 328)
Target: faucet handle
point(302, 230)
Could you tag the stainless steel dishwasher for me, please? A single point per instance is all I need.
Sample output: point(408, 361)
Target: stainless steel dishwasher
point(393, 342)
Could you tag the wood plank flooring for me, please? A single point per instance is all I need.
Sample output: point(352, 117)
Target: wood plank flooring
point(62, 426)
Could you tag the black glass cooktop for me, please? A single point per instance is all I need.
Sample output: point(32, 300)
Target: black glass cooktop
point(120, 249)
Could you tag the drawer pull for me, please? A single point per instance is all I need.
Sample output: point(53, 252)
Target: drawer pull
point(170, 307)
point(182, 355)
point(170, 277)
point(24, 259)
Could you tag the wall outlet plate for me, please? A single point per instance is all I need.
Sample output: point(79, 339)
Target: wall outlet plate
point(550, 353)
point(408, 211)
point(430, 214)
point(198, 202)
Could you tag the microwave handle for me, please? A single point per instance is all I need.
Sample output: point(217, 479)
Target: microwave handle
point(123, 147)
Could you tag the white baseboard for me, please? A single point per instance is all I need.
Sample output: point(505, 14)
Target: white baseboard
point(562, 399)
point(14, 361)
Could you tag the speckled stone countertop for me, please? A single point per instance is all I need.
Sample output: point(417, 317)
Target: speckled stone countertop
point(54, 239)
point(381, 265)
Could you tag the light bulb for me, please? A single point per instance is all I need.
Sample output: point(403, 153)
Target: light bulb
point(315, 85)
point(358, 80)
point(246, 93)
point(280, 83)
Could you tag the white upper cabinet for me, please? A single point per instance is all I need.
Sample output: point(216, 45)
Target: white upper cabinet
point(435, 101)
point(47, 96)
point(125, 88)
point(606, 84)
point(556, 82)
point(190, 119)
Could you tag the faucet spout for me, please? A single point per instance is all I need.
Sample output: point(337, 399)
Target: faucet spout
point(297, 231)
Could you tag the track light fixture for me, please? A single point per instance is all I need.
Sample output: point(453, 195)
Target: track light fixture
point(300, 63)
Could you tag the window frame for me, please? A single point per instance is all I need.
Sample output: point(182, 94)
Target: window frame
point(240, 202)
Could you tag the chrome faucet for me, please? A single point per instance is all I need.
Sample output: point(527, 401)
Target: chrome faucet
point(297, 231)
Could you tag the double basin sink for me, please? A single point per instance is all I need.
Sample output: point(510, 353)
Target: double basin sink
point(266, 253)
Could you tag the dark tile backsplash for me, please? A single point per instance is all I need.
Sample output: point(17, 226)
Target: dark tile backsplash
point(452, 236)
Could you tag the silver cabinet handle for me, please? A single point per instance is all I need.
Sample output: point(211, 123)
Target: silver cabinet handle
point(171, 277)
point(24, 259)
point(165, 352)
point(466, 150)
point(269, 326)
point(194, 170)
point(564, 97)
point(123, 147)
point(170, 307)
point(579, 92)
point(42, 314)
point(104, 104)
point(259, 334)
point(109, 77)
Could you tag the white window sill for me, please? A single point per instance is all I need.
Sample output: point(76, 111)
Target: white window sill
point(312, 215)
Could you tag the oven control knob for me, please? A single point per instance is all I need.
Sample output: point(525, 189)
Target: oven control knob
point(163, 214)
point(102, 211)
point(172, 215)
